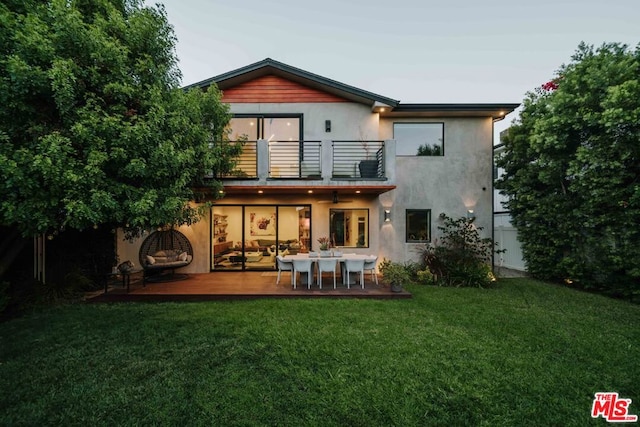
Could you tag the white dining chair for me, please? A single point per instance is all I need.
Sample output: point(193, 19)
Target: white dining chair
point(303, 266)
point(283, 266)
point(328, 264)
point(356, 266)
point(370, 264)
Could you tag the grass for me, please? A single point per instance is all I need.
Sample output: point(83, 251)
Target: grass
point(523, 353)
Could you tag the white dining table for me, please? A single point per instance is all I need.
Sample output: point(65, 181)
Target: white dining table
point(341, 259)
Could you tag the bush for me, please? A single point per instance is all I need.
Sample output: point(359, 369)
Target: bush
point(394, 273)
point(413, 269)
point(460, 258)
point(425, 277)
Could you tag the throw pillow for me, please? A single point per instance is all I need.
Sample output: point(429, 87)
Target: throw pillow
point(182, 256)
point(150, 260)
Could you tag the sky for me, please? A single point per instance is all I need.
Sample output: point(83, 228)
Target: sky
point(414, 51)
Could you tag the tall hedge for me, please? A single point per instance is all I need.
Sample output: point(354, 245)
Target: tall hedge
point(572, 172)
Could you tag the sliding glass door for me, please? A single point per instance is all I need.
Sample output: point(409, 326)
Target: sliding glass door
point(260, 229)
point(249, 237)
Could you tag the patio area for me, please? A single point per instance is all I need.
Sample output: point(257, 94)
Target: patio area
point(238, 285)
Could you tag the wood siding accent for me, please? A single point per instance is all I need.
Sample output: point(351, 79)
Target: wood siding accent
point(276, 89)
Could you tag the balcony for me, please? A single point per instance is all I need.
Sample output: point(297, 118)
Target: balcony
point(326, 162)
point(246, 163)
point(363, 160)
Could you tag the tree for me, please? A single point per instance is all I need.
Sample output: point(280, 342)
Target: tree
point(94, 126)
point(572, 172)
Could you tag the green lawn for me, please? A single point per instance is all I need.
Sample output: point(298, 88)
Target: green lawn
point(523, 353)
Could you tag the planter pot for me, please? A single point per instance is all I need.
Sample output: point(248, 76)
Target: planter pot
point(396, 288)
point(368, 168)
point(325, 253)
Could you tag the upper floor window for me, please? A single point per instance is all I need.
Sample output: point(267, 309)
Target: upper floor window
point(419, 139)
point(271, 127)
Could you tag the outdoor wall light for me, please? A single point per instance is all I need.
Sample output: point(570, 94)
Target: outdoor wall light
point(387, 215)
point(470, 214)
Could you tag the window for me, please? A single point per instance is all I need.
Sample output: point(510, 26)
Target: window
point(271, 127)
point(248, 237)
point(349, 227)
point(418, 225)
point(419, 139)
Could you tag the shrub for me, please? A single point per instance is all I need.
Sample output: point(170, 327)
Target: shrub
point(425, 277)
point(412, 268)
point(394, 273)
point(461, 257)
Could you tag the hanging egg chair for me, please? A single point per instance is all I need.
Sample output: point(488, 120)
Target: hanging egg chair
point(162, 252)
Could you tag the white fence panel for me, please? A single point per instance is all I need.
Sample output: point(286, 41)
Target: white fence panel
point(507, 238)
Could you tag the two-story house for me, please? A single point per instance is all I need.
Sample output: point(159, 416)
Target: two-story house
point(325, 159)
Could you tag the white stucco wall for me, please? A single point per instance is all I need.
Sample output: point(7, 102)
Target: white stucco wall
point(450, 184)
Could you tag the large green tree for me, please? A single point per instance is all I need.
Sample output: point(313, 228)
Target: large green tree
point(94, 126)
point(572, 163)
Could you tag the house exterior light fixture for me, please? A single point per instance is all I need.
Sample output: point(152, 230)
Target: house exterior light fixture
point(387, 215)
point(471, 215)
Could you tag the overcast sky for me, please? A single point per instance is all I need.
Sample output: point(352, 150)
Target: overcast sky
point(414, 51)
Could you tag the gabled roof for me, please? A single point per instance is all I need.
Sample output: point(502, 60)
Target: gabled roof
point(385, 106)
point(272, 67)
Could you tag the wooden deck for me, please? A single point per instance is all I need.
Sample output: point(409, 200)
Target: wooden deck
point(240, 285)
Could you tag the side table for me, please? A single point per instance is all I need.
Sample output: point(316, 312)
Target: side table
point(125, 277)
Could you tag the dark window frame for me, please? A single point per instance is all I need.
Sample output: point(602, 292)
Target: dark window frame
point(260, 121)
point(367, 237)
point(420, 123)
point(411, 236)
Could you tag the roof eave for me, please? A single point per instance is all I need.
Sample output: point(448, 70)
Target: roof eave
point(495, 110)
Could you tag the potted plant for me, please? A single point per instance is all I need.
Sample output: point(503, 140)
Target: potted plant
point(369, 167)
point(325, 243)
point(394, 274)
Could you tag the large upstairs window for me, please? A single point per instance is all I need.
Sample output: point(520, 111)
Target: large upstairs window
point(284, 135)
point(419, 139)
point(271, 127)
